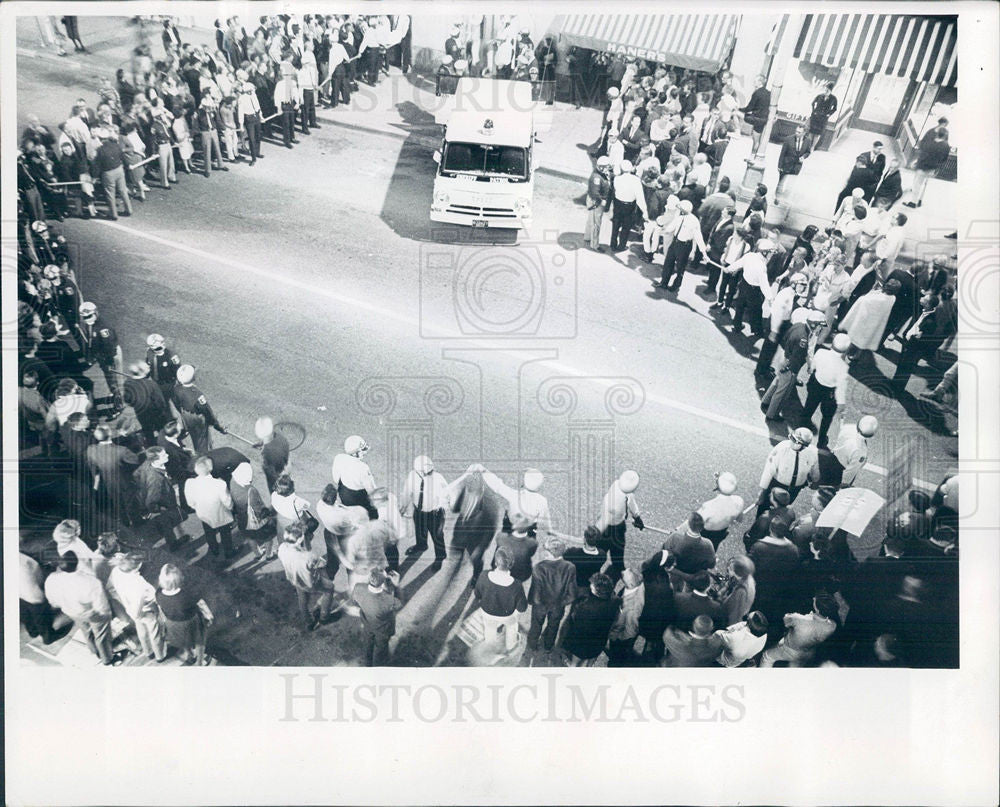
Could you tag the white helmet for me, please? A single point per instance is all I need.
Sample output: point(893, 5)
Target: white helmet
point(185, 374)
point(355, 445)
point(155, 341)
point(88, 310)
point(264, 427)
point(603, 161)
point(628, 481)
point(726, 483)
point(533, 479)
point(423, 465)
point(867, 425)
point(138, 369)
point(841, 343)
point(802, 436)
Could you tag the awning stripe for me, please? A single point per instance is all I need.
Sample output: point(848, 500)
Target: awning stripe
point(919, 47)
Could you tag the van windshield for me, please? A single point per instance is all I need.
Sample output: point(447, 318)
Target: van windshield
point(485, 159)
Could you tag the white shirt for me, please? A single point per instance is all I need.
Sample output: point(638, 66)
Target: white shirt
point(721, 511)
point(434, 487)
point(628, 188)
point(248, 105)
point(888, 247)
point(528, 503)
point(88, 559)
point(701, 174)
point(79, 596)
point(659, 129)
point(135, 594)
point(830, 370)
point(687, 228)
point(616, 153)
point(76, 129)
point(781, 462)
point(210, 499)
point(851, 451)
point(781, 307)
point(353, 473)
point(739, 644)
point(754, 268)
point(339, 520)
point(649, 162)
point(338, 54)
point(616, 507)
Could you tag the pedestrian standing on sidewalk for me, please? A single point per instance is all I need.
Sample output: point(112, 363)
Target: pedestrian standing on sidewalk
point(186, 616)
point(304, 570)
point(598, 202)
point(248, 112)
point(627, 193)
point(553, 589)
point(424, 498)
point(72, 26)
point(378, 600)
point(274, 450)
point(932, 152)
point(794, 150)
point(109, 162)
point(138, 597)
point(621, 639)
point(214, 507)
point(586, 629)
point(823, 106)
point(81, 597)
point(501, 596)
point(287, 98)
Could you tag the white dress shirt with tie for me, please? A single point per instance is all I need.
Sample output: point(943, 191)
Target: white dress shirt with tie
point(424, 492)
point(616, 507)
point(787, 466)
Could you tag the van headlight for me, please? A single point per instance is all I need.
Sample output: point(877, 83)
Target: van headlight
point(522, 205)
point(441, 197)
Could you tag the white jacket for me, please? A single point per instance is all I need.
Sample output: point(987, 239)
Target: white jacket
point(210, 499)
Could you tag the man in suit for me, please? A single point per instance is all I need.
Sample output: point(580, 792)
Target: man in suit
point(698, 647)
point(716, 243)
point(758, 110)
point(889, 185)
point(874, 162)
point(936, 323)
point(113, 465)
point(793, 151)
point(862, 178)
point(714, 138)
point(692, 604)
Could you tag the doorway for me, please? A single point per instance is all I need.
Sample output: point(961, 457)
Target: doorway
point(882, 103)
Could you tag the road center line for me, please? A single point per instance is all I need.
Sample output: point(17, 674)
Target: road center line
point(356, 303)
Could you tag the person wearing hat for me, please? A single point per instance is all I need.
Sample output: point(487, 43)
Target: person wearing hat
point(274, 450)
point(754, 289)
point(249, 114)
point(791, 465)
point(685, 242)
point(144, 395)
point(208, 123)
point(287, 98)
point(794, 296)
point(526, 501)
point(109, 163)
point(163, 364)
point(849, 452)
point(619, 503)
point(628, 195)
point(826, 388)
point(353, 477)
point(424, 498)
point(195, 410)
point(100, 345)
point(797, 346)
point(598, 202)
point(722, 510)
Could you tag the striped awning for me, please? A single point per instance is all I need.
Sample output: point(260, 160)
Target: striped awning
point(693, 41)
point(923, 48)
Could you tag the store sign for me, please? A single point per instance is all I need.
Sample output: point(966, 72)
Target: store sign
point(637, 53)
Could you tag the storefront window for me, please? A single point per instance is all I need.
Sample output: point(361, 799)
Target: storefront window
point(803, 82)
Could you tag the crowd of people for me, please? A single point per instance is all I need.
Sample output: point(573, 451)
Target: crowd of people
point(136, 449)
point(198, 108)
point(657, 172)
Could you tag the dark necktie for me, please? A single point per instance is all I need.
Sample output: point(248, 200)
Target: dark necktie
point(795, 469)
point(625, 517)
point(420, 496)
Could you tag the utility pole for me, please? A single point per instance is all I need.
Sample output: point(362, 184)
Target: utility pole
point(774, 68)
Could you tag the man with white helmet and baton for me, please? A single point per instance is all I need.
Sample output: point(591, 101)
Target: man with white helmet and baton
point(424, 494)
point(353, 477)
point(827, 385)
point(791, 465)
point(163, 364)
point(849, 452)
point(526, 502)
point(196, 412)
point(722, 510)
point(100, 346)
point(619, 503)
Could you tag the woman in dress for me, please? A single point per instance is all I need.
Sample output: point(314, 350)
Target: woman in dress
point(185, 149)
point(479, 511)
point(185, 615)
point(501, 597)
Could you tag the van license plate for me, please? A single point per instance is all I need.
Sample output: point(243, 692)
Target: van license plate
point(480, 223)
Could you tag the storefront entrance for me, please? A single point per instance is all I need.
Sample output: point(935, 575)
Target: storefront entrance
point(883, 102)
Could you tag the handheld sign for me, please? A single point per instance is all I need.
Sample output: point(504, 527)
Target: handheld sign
point(851, 510)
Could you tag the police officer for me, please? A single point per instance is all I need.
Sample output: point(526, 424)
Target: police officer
point(143, 394)
point(598, 202)
point(849, 452)
point(353, 477)
point(67, 295)
point(790, 465)
point(827, 385)
point(196, 412)
point(100, 345)
point(797, 346)
point(163, 364)
point(619, 503)
point(526, 503)
point(721, 510)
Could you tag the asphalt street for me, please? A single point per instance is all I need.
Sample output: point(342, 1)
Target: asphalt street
point(312, 287)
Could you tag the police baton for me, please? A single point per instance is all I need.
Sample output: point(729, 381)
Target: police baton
point(657, 529)
point(270, 117)
point(242, 439)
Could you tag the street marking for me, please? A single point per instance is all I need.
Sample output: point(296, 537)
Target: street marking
point(356, 303)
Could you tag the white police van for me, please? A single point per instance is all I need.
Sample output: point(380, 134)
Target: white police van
point(485, 173)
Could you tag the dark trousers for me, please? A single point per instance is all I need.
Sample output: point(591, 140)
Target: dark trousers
point(622, 216)
point(715, 536)
point(767, 351)
point(340, 90)
point(287, 118)
point(621, 653)
point(727, 288)
point(675, 262)
point(913, 351)
point(37, 619)
point(430, 524)
point(213, 536)
point(308, 110)
point(252, 126)
point(823, 397)
point(376, 649)
point(749, 302)
point(545, 624)
point(714, 273)
point(613, 542)
point(332, 561)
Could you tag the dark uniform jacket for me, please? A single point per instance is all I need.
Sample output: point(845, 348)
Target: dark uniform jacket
point(163, 369)
point(598, 191)
point(178, 459)
point(796, 346)
point(190, 399)
point(100, 342)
